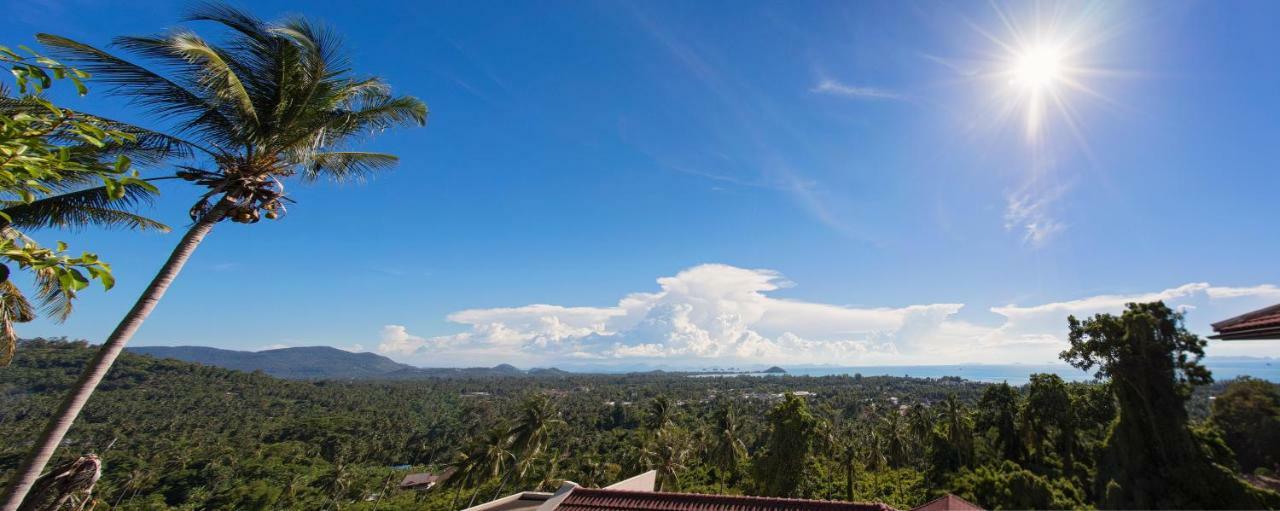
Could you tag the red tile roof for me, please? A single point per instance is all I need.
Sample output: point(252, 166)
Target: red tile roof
point(1260, 324)
point(590, 499)
point(947, 502)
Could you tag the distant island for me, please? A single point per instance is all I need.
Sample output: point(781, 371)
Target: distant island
point(775, 370)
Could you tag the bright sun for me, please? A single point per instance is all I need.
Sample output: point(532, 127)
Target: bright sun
point(1042, 64)
point(1037, 68)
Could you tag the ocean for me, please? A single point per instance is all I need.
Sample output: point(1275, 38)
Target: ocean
point(1019, 374)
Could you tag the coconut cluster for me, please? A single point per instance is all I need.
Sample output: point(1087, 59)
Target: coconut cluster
point(253, 196)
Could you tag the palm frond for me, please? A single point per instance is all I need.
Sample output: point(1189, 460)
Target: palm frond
point(218, 73)
point(158, 94)
point(82, 208)
point(390, 111)
point(322, 47)
point(346, 165)
point(240, 21)
point(55, 300)
point(327, 128)
point(148, 147)
point(14, 308)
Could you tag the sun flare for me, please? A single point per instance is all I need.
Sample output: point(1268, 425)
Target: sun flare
point(1037, 67)
point(1041, 63)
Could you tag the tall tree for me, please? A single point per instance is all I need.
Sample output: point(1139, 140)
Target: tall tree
point(998, 411)
point(849, 450)
point(278, 100)
point(727, 450)
point(782, 469)
point(920, 425)
point(896, 443)
point(532, 431)
point(1151, 459)
point(666, 454)
point(1049, 420)
point(952, 443)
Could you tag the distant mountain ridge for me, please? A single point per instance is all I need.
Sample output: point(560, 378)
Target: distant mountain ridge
point(325, 363)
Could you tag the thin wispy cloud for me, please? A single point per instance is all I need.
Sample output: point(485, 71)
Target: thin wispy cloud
point(1030, 212)
point(748, 110)
point(836, 88)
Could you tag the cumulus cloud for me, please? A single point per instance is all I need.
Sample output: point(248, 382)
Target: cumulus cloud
point(725, 314)
point(396, 339)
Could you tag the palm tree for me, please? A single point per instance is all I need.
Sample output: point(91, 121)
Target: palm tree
point(848, 452)
point(529, 435)
point(661, 413)
point(895, 440)
point(277, 101)
point(727, 448)
point(920, 425)
point(466, 466)
point(666, 454)
point(495, 456)
point(959, 429)
point(551, 478)
point(873, 456)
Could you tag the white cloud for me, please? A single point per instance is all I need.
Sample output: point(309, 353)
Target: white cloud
point(1265, 290)
point(275, 346)
point(396, 339)
point(833, 87)
point(727, 314)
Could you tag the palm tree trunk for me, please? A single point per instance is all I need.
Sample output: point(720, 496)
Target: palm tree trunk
point(501, 484)
point(848, 481)
point(97, 368)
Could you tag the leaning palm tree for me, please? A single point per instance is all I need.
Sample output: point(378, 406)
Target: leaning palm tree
point(277, 100)
point(532, 430)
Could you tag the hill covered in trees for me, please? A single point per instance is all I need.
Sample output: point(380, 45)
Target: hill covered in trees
point(316, 362)
point(325, 363)
point(176, 435)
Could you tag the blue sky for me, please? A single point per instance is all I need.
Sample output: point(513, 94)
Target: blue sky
point(814, 182)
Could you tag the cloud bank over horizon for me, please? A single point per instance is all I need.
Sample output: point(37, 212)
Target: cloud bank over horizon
point(716, 314)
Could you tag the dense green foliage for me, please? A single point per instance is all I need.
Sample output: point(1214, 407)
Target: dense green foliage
point(64, 169)
point(1151, 458)
point(1248, 414)
point(175, 435)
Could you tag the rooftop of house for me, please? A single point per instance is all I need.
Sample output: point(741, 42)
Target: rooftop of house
point(636, 494)
point(591, 499)
point(424, 479)
point(1256, 325)
point(947, 502)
